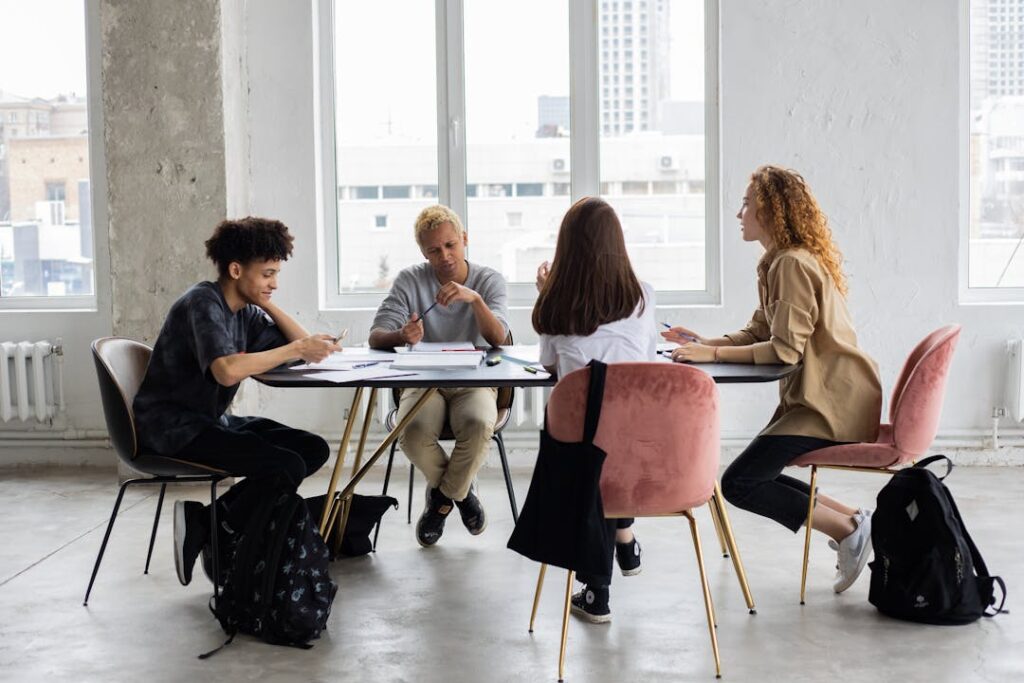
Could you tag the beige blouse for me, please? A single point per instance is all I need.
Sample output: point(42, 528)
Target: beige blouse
point(836, 394)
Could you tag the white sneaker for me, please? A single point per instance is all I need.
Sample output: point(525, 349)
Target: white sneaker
point(853, 551)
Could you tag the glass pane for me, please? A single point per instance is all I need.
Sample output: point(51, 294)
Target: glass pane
point(651, 71)
point(386, 127)
point(46, 241)
point(517, 132)
point(996, 155)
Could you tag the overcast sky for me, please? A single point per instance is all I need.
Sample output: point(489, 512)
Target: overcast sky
point(42, 47)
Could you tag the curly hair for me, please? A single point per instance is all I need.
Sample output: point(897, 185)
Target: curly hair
point(434, 216)
point(791, 215)
point(248, 239)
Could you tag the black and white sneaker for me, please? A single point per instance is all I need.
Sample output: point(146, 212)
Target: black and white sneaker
point(628, 557)
point(190, 533)
point(591, 604)
point(472, 512)
point(431, 523)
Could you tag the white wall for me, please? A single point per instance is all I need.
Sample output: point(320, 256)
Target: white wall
point(861, 97)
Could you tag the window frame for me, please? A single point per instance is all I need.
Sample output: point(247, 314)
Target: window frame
point(584, 143)
point(971, 296)
point(97, 182)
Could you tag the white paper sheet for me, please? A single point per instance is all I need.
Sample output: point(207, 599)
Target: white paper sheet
point(342, 377)
point(439, 347)
point(438, 361)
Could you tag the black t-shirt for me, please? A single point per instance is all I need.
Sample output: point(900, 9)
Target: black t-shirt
point(179, 396)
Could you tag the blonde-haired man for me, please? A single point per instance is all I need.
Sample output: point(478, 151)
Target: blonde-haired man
point(472, 308)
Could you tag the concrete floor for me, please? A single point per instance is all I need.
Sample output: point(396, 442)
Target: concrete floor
point(459, 611)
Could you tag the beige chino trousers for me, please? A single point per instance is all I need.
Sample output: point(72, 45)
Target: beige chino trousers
point(471, 413)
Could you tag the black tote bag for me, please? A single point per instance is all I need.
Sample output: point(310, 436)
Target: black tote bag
point(562, 522)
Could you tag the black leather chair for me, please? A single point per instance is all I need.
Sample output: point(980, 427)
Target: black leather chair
point(120, 367)
point(506, 396)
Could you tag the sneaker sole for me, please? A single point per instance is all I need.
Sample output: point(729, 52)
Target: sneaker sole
point(631, 572)
point(179, 540)
point(587, 616)
point(478, 531)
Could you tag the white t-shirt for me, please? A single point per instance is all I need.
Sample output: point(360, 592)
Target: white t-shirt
point(630, 339)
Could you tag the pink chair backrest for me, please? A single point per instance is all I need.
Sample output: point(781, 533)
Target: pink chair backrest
point(917, 398)
point(659, 427)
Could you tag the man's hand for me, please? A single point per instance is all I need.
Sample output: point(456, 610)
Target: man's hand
point(543, 270)
point(453, 291)
point(681, 335)
point(315, 347)
point(694, 353)
point(412, 332)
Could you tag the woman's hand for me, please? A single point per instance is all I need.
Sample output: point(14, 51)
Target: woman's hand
point(681, 335)
point(543, 270)
point(694, 353)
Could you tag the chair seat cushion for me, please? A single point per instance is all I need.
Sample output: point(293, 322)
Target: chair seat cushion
point(882, 453)
point(162, 466)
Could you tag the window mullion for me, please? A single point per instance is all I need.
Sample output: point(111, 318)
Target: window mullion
point(451, 106)
point(584, 142)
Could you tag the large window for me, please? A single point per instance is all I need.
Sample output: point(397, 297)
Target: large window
point(508, 112)
point(46, 218)
point(994, 153)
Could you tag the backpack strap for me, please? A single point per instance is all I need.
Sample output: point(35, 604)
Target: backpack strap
point(936, 458)
point(979, 564)
point(595, 398)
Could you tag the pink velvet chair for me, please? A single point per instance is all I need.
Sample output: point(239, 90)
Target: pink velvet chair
point(914, 413)
point(659, 428)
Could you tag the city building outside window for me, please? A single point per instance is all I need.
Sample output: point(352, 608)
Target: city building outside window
point(992, 236)
point(46, 207)
point(503, 156)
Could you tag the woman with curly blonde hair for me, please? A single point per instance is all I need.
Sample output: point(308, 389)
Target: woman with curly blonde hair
point(835, 396)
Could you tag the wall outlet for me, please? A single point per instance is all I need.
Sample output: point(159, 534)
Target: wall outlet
point(998, 411)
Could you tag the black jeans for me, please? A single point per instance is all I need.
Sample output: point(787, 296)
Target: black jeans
point(594, 579)
point(754, 481)
point(255, 448)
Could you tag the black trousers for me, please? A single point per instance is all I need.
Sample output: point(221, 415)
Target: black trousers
point(254, 448)
point(754, 481)
point(594, 579)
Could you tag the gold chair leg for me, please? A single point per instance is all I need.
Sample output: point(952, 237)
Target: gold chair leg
point(708, 606)
point(734, 548)
point(810, 523)
point(716, 518)
point(340, 462)
point(536, 594)
point(565, 626)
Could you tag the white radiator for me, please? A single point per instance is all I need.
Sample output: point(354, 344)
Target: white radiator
point(1015, 380)
point(31, 382)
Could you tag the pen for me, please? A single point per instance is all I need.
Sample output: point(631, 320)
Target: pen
point(532, 371)
point(429, 308)
point(367, 364)
point(341, 335)
point(682, 334)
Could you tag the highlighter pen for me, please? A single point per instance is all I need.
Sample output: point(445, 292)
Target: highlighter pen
point(531, 370)
point(682, 334)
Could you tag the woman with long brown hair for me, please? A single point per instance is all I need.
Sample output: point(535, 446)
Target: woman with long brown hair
point(836, 395)
point(593, 306)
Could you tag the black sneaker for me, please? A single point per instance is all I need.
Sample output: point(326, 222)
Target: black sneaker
point(431, 523)
point(628, 557)
point(591, 604)
point(190, 533)
point(472, 512)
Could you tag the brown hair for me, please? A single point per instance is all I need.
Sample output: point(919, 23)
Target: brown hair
point(591, 282)
point(791, 215)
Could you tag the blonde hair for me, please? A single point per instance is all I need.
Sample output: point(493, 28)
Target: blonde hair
point(791, 215)
point(433, 216)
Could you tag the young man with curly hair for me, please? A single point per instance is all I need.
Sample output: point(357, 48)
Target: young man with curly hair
point(216, 335)
point(472, 308)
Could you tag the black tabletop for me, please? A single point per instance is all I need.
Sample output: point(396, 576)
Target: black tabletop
point(511, 374)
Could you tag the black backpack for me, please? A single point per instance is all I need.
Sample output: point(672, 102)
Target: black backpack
point(926, 567)
point(276, 584)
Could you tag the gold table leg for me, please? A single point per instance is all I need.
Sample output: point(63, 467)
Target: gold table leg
point(339, 463)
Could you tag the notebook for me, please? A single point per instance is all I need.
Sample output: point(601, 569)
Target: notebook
point(438, 361)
